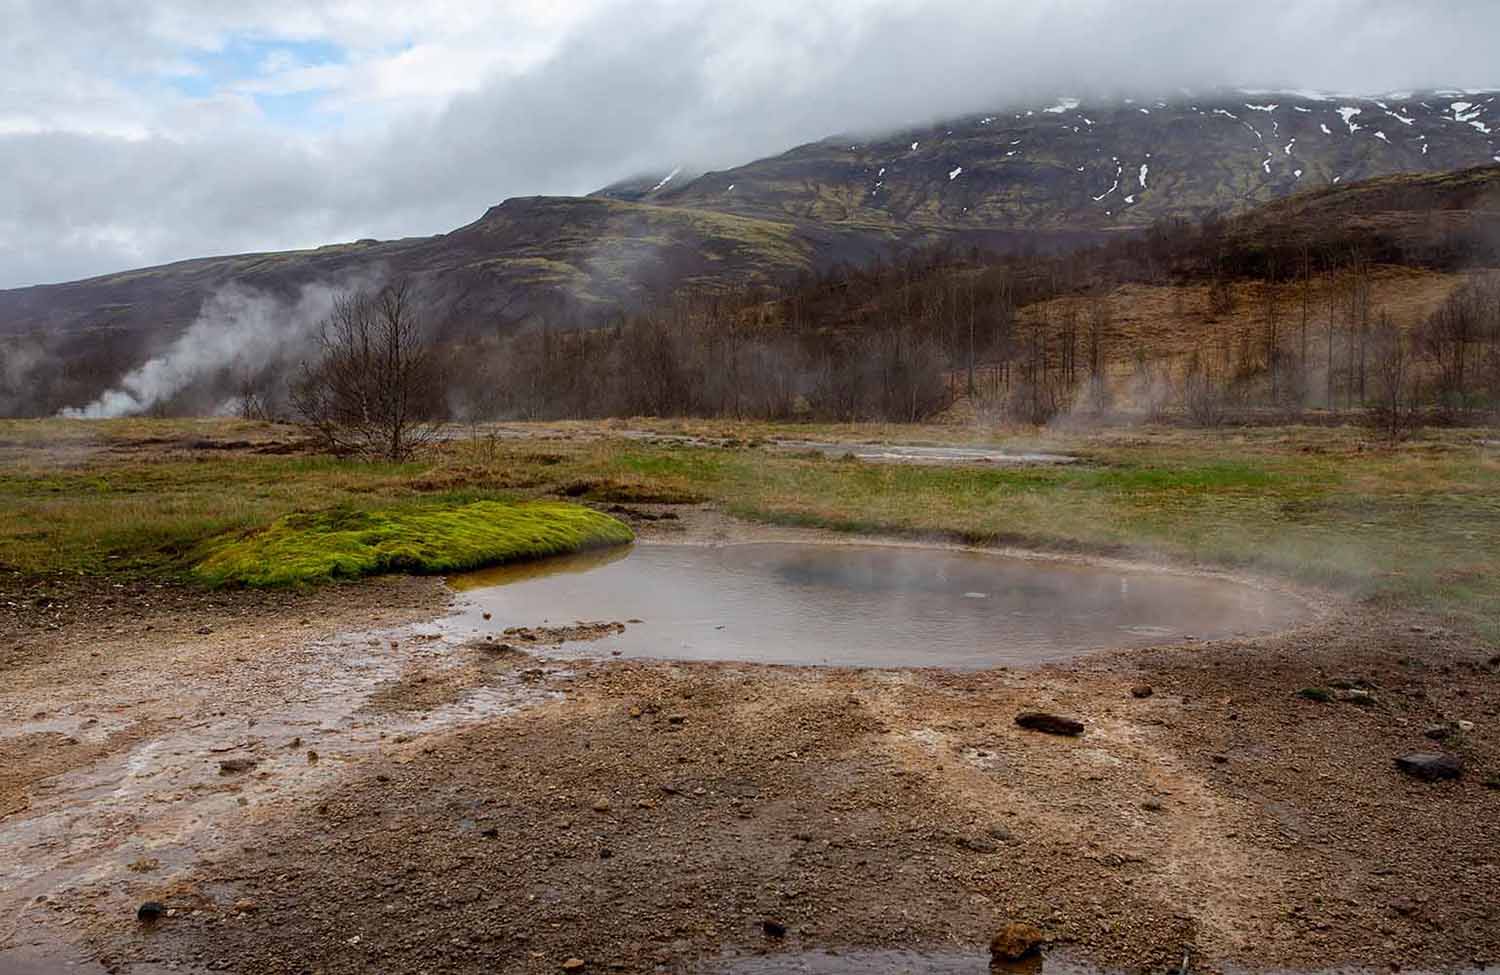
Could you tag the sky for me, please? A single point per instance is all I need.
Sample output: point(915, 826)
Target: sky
point(138, 133)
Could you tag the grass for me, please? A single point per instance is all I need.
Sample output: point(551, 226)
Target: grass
point(346, 543)
point(1416, 527)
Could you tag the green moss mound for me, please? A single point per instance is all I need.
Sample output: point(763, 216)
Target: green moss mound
point(346, 543)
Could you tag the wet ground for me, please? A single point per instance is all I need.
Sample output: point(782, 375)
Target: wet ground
point(893, 963)
point(472, 810)
point(921, 454)
point(864, 605)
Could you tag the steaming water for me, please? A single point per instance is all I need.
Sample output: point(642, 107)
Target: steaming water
point(862, 605)
point(916, 454)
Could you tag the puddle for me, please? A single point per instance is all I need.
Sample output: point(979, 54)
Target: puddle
point(890, 962)
point(896, 962)
point(913, 454)
point(862, 605)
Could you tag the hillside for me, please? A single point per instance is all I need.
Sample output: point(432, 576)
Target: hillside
point(575, 256)
point(1108, 166)
point(1388, 175)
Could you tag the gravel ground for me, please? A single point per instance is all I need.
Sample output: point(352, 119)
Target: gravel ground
point(638, 816)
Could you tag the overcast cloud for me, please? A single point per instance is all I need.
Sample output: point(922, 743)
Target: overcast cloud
point(137, 133)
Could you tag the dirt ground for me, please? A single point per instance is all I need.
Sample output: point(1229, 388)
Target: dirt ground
point(335, 782)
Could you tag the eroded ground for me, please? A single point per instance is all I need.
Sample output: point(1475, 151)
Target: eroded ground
point(471, 809)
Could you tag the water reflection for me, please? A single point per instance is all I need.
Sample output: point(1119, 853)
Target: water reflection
point(853, 605)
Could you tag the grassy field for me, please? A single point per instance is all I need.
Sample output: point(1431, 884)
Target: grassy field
point(1418, 526)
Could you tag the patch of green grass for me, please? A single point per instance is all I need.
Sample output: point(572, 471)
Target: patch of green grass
point(1413, 527)
point(347, 543)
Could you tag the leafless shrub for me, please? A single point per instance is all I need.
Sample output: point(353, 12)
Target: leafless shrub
point(1204, 393)
point(373, 390)
point(1395, 407)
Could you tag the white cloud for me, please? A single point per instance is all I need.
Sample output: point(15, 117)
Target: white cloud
point(135, 133)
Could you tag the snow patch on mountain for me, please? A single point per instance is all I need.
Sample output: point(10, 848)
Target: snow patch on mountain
point(667, 179)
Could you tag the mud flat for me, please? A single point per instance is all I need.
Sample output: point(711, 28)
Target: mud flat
point(477, 808)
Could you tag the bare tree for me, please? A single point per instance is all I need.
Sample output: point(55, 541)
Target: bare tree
point(1203, 393)
point(1395, 409)
point(374, 388)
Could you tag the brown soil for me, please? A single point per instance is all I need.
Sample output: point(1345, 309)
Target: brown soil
point(643, 816)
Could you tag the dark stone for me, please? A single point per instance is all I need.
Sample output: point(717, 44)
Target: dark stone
point(1439, 732)
point(1431, 766)
point(1015, 941)
point(1142, 691)
point(149, 911)
point(234, 766)
point(773, 929)
point(1051, 724)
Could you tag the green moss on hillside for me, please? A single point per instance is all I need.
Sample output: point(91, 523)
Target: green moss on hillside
point(345, 543)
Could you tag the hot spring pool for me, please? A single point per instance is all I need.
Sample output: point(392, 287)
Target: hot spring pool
point(862, 605)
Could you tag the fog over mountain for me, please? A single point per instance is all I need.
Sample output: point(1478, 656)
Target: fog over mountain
point(133, 136)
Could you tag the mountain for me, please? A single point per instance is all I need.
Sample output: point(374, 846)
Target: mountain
point(1110, 166)
point(1047, 176)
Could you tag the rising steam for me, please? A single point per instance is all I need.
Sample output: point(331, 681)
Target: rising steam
point(238, 327)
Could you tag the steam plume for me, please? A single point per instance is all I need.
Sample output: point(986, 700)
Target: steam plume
point(238, 327)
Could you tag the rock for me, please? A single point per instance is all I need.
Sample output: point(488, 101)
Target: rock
point(773, 928)
point(676, 718)
point(149, 911)
point(601, 804)
point(1051, 724)
point(1000, 833)
point(1142, 691)
point(312, 757)
point(1431, 766)
point(1319, 694)
point(205, 630)
point(234, 766)
point(1440, 732)
point(1015, 941)
point(1355, 695)
point(1151, 805)
point(245, 905)
point(978, 844)
point(1403, 906)
point(573, 965)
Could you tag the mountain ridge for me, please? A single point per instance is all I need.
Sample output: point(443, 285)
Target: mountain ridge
point(1052, 175)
